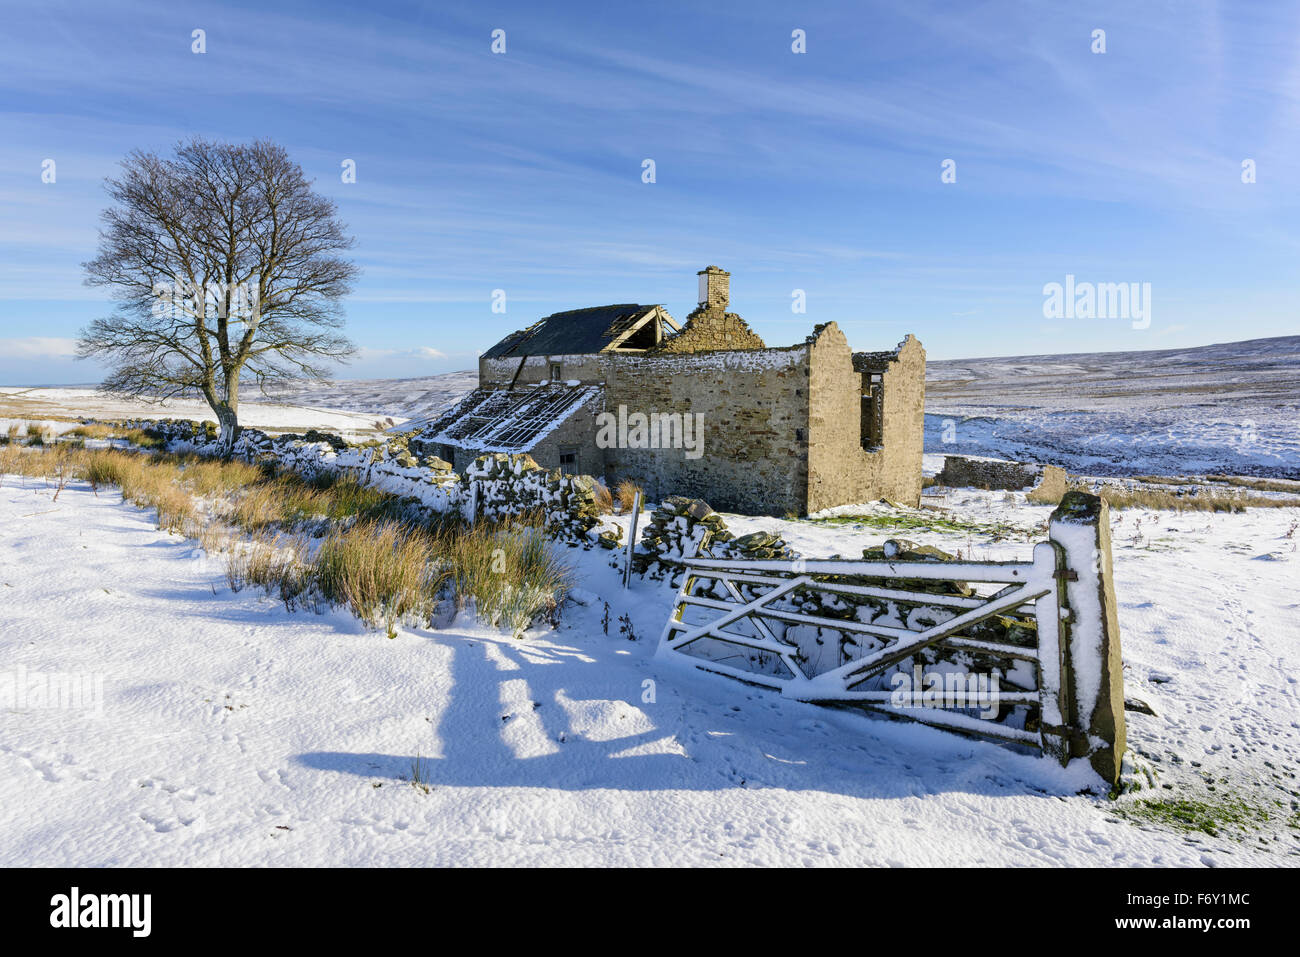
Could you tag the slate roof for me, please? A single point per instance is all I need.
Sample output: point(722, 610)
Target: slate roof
point(576, 332)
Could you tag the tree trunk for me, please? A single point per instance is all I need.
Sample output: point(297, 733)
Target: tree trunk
point(228, 421)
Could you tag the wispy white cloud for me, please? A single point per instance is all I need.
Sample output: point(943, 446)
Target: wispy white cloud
point(366, 354)
point(38, 347)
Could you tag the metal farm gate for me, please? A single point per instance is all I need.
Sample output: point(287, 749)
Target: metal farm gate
point(839, 630)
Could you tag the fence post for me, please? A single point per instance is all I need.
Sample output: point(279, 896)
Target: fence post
point(631, 539)
point(1092, 669)
point(473, 501)
point(1051, 613)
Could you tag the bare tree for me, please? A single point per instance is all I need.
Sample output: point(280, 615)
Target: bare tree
point(227, 270)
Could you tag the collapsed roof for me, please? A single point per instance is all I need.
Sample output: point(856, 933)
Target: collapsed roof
point(508, 420)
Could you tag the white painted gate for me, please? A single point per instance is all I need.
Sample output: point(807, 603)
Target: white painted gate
point(739, 619)
point(1026, 585)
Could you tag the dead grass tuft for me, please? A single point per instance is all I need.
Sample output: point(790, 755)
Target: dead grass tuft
point(604, 497)
point(626, 494)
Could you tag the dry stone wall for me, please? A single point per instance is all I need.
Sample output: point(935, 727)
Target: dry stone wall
point(492, 486)
point(1046, 482)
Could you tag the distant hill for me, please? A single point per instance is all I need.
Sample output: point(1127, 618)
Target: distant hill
point(417, 399)
point(1258, 370)
point(1232, 407)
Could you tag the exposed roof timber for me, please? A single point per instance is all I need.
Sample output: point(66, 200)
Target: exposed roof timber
point(503, 420)
point(654, 313)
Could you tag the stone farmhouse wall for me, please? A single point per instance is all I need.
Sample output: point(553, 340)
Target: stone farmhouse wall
point(754, 408)
point(840, 470)
point(782, 427)
point(754, 405)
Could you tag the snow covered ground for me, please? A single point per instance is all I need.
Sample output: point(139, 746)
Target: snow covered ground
point(1232, 408)
point(233, 732)
point(51, 405)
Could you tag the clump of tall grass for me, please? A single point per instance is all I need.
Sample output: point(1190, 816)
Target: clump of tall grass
point(626, 494)
point(211, 477)
point(277, 564)
point(104, 468)
point(146, 483)
point(214, 537)
point(511, 572)
point(604, 497)
point(142, 438)
point(383, 571)
point(10, 460)
point(287, 501)
point(41, 462)
point(255, 509)
point(343, 496)
point(175, 508)
point(91, 430)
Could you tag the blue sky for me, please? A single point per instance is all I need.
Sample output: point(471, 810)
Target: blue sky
point(818, 171)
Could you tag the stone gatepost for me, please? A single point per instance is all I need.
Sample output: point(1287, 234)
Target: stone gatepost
point(1092, 668)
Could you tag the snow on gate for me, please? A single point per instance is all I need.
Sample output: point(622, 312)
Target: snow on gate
point(865, 631)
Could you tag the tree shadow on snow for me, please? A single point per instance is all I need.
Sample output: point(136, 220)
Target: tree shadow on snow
point(703, 733)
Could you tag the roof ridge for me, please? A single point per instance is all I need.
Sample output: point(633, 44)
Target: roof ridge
point(612, 305)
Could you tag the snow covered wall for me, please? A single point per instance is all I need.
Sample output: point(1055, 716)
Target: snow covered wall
point(495, 485)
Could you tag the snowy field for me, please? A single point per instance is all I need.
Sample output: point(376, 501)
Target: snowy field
point(235, 733)
point(59, 408)
point(410, 401)
point(348, 406)
point(1231, 408)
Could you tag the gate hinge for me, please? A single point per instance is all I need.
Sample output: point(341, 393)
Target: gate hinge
point(1066, 574)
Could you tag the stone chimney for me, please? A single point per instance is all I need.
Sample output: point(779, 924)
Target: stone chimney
point(715, 289)
point(710, 328)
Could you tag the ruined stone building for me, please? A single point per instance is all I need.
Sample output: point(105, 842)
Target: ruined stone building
point(702, 409)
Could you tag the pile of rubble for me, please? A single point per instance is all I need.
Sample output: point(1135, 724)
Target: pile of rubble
point(682, 528)
point(756, 546)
